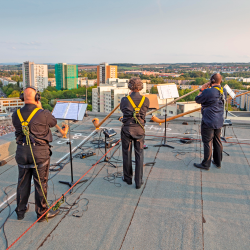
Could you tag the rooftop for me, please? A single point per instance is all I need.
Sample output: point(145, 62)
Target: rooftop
point(178, 207)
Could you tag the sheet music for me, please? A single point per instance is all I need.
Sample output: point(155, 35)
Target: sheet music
point(73, 111)
point(230, 91)
point(60, 110)
point(167, 91)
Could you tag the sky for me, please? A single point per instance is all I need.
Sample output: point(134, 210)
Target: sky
point(119, 31)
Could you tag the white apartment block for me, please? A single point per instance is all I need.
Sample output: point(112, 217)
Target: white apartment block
point(35, 75)
point(10, 104)
point(82, 81)
point(107, 96)
point(7, 80)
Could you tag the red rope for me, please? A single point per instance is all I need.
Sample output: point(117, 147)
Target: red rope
point(58, 200)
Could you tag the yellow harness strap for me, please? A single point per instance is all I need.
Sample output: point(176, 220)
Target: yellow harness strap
point(220, 89)
point(137, 109)
point(25, 123)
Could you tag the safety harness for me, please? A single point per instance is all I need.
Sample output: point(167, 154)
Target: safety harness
point(137, 109)
point(26, 132)
point(221, 93)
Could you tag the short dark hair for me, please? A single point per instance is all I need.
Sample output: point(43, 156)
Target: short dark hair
point(216, 78)
point(135, 83)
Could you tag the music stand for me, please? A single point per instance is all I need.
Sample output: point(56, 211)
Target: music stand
point(165, 92)
point(165, 136)
point(108, 134)
point(70, 111)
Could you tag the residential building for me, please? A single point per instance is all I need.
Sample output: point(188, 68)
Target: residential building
point(35, 75)
point(66, 76)
point(82, 81)
point(7, 80)
point(107, 96)
point(181, 107)
point(10, 104)
point(104, 72)
point(52, 82)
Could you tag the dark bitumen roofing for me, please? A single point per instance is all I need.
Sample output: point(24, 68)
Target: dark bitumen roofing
point(178, 207)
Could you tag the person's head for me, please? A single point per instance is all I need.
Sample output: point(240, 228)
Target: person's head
point(30, 96)
point(216, 79)
point(135, 84)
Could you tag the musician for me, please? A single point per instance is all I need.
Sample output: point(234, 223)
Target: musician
point(212, 98)
point(134, 108)
point(39, 122)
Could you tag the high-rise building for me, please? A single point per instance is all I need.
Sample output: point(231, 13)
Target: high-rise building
point(35, 75)
point(66, 76)
point(104, 72)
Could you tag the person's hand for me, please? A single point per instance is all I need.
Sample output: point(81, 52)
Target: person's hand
point(39, 105)
point(205, 86)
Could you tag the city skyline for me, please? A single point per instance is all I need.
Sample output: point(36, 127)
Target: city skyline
point(149, 31)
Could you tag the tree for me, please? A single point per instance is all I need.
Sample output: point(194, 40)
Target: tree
point(154, 90)
point(15, 93)
point(188, 98)
point(48, 107)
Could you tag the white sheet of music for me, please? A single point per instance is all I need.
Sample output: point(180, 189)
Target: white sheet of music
point(167, 91)
point(69, 111)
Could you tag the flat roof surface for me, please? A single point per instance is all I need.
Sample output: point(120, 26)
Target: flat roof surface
point(178, 207)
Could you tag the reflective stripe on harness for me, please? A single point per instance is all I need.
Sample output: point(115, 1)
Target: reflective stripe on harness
point(26, 123)
point(137, 109)
point(220, 90)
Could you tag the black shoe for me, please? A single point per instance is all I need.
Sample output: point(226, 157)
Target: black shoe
point(52, 213)
point(128, 182)
point(201, 166)
point(21, 216)
point(216, 164)
point(139, 186)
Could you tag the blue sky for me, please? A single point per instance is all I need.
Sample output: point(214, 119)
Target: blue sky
point(131, 31)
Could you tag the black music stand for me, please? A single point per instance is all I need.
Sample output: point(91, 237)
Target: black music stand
point(165, 136)
point(67, 111)
point(108, 134)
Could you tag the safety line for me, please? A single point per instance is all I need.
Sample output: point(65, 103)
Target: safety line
point(65, 156)
point(60, 198)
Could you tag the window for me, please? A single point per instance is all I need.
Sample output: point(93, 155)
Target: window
point(171, 112)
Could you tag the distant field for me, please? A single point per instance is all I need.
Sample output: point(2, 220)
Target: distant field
point(128, 68)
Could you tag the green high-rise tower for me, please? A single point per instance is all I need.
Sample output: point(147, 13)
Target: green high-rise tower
point(66, 76)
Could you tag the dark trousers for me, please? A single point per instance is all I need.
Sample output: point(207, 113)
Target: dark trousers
point(211, 137)
point(138, 140)
point(24, 187)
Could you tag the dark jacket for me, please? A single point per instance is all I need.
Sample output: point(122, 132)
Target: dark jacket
point(212, 107)
point(128, 110)
point(39, 128)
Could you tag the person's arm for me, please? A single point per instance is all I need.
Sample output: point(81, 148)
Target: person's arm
point(51, 120)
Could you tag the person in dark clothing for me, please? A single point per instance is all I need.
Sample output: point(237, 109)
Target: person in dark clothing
point(133, 131)
point(40, 136)
point(212, 102)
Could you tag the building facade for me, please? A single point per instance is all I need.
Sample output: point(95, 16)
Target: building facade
point(35, 75)
point(66, 76)
point(10, 104)
point(107, 96)
point(104, 72)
